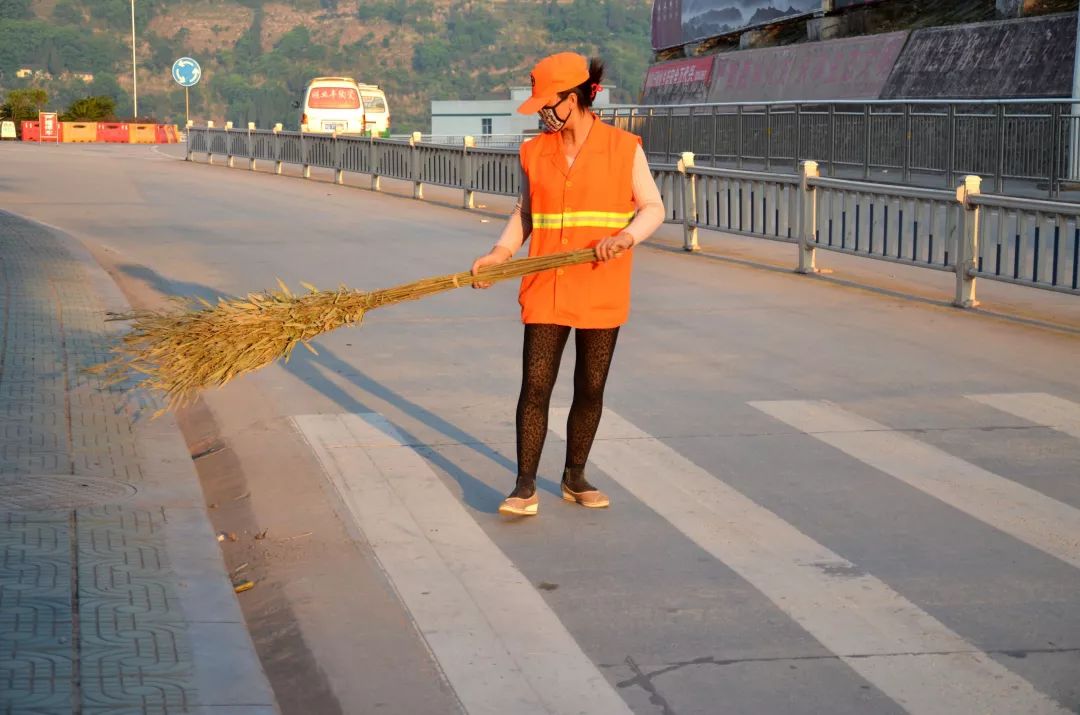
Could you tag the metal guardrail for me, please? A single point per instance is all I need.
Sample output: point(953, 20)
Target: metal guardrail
point(1019, 146)
point(1029, 242)
point(487, 141)
point(1025, 241)
point(902, 224)
point(486, 170)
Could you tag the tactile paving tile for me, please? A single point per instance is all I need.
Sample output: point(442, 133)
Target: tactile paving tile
point(35, 611)
point(68, 455)
point(134, 644)
point(59, 491)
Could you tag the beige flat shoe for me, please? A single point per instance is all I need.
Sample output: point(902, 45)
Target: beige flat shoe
point(516, 506)
point(593, 499)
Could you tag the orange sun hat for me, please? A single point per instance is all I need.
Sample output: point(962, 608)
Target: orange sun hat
point(552, 75)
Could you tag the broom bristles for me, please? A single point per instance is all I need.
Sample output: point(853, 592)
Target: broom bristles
point(183, 351)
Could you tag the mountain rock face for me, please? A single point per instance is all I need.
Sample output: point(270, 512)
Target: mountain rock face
point(257, 55)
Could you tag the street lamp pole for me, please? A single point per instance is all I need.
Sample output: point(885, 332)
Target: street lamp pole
point(134, 73)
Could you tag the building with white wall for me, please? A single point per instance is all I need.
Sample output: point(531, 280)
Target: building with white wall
point(490, 116)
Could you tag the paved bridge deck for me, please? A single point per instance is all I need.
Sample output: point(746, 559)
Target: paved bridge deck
point(832, 495)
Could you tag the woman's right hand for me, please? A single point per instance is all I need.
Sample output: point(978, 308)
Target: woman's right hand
point(497, 255)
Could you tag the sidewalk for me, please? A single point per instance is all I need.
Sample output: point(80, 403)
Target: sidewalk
point(113, 594)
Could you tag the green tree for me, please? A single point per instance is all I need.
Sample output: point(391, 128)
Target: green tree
point(161, 54)
point(67, 12)
point(431, 55)
point(296, 44)
point(90, 109)
point(30, 42)
point(116, 14)
point(248, 48)
point(105, 85)
point(23, 104)
point(15, 9)
point(113, 13)
point(470, 29)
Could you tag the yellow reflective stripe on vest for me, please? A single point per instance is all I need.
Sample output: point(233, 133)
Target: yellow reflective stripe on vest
point(583, 219)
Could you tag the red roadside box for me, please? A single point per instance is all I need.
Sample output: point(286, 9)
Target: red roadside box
point(113, 132)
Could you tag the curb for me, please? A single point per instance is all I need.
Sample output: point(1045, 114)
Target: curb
point(228, 676)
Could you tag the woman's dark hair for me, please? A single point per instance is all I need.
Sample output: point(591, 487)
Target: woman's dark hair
point(586, 91)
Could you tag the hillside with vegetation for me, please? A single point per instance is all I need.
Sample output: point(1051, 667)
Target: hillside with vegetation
point(257, 56)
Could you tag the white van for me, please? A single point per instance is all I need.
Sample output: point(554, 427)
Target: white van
point(333, 104)
point(378, 112)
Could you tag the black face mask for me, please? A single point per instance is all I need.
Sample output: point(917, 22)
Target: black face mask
point(551, 119)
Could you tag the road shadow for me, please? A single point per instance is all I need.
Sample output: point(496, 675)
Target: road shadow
point(314, 371)
point(168, 287)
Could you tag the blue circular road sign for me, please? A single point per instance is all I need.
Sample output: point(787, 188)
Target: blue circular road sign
point(186, 72)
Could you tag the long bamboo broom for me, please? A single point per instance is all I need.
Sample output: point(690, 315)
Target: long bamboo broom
point(198, 345)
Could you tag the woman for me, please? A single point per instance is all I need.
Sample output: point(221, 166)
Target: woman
point(584, 184)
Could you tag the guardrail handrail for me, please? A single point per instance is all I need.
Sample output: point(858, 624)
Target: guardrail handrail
point(859, 102)
point(1030, 242)
point(743, 174)
point(1018, 145)
point(492, 170)
point(1024, 204)
point(894, 190)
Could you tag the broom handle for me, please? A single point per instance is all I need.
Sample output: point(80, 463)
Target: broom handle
point(518, 267)
point(515, 268)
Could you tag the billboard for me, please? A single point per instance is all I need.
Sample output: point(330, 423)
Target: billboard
point(679, 81)
point(677, 22)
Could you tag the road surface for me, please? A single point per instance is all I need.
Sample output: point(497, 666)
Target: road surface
point(832, 495)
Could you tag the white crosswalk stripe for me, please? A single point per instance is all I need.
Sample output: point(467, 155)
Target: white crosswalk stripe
point(892, 643)
point(501, 647)
point(1038, 407)
point(1017, 510)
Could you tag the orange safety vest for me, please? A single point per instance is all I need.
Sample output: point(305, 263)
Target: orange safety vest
point(572, 209)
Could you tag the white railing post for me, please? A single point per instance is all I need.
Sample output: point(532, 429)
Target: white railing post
point(373, 163)
point(688, 196)
point(967, 243)
point(303, 157)
point(228, 145)
point(339, 173)
point(251, 147)
point(418, 186)
point(278, 163)
point(187, 134)
point(467, 173)
point(209, 141)
point(807, 218)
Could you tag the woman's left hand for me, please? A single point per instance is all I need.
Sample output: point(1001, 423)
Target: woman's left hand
point(612, 246)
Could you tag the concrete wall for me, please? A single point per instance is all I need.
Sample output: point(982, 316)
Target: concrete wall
point(1031, 57)
point(465, 117)
point(1016, 58)
point(851, 68)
